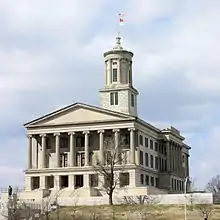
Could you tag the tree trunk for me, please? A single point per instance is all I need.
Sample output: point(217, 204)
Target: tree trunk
point(110, 198)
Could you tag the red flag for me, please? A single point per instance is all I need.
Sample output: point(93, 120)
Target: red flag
point(121, 18)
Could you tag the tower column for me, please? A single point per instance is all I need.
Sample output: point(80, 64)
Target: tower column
point(119, 70)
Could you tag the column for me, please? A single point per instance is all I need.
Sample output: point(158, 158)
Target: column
point(119, 70)
point(72, 149)
point(71, 181)
point(57, 146)
point(86, 178)
point(28, 185)
point(101, 146)
point(132, 146)
point(110, 72)
point(86, 147)
point(43, 152)
point(29, 151)
point(42, 182)
point(168, 156)
point(57, 182)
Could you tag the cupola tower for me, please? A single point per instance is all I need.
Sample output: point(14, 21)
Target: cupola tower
point(118, 93)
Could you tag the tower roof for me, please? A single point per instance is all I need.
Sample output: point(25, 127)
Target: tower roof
point(118, 47)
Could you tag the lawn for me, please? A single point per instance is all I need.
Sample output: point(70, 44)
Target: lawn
point(130, 212)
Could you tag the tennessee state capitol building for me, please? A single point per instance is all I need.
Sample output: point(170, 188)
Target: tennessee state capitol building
point(63, 145)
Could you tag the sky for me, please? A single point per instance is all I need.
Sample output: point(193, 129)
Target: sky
point(51, 55)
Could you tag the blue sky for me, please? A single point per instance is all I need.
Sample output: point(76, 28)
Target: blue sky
point(51, 55)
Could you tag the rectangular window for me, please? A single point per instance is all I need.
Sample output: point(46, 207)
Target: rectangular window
point(146, 142)
point(157, 182)
point(114, 98)
point(141, 139)
point(80, 141)
point(152, 181)
point(156, 163)
point(141, 158)
point(64, 160)
point(111, 98)
point(142, 179)
point(147, 180)
point(93, 180)
point(64, 142)
point(146, 160)
point(151, 144)
point(115, 75)
point(151, 161)
point(132, 100)
point(156, 146)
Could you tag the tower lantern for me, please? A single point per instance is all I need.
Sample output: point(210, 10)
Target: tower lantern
point(118, 93)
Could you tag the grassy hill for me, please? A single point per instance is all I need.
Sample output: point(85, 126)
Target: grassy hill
point(135, 212)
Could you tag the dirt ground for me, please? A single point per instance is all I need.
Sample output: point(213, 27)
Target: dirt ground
point(130, 212)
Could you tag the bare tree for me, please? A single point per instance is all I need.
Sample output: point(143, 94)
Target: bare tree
point(214, 185)
point(16, 209)
point(113, 162)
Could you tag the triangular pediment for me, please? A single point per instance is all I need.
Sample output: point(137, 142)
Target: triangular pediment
point(77, 113)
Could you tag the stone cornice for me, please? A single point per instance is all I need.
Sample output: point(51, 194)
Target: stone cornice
point(49, 171)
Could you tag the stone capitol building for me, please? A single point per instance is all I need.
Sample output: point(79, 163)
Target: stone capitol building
point(63, 145)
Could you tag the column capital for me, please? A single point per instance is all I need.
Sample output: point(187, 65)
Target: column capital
point(132, 129)
point(29, 135)
point(56, 134)
point(43, 135)
point(86, 132)
point(71, 133)
point(116, 130)
point(101, 131)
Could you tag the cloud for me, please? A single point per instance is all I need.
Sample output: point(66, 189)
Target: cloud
point(51, 55)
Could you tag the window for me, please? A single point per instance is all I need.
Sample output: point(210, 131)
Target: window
point(94, 180)
point(141, 158)
point(156, 146)
point(80, 141)
point(114, 98)
point(115, 75)
point(142, 179)
point(147, 180)
point(151, 144)
point(183, 158)
point(132, 100)
point(63, 160)
point(146, 142)
point(64, 142)
point(48, 143)
point(141, 139)
point(156, 163)
point(157, 182)
point(35, 182)
point(80, 157)
point(151, 161)
point(146, 160)
point(124, 179)
point(152, 181)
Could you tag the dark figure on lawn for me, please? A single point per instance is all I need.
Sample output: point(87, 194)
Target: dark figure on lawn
point(9, 191)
